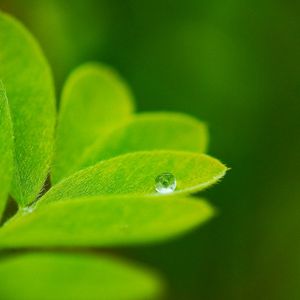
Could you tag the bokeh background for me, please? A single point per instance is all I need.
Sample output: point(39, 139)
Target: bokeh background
point(234, 64)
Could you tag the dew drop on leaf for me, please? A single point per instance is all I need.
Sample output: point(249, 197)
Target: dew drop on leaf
point(27, 209)
point(165, 183)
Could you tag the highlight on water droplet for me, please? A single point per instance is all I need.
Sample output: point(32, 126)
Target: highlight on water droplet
point(27, 209)
point(165, 183)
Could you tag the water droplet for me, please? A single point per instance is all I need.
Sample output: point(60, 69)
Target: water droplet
point(27, 209)
point(165, 183)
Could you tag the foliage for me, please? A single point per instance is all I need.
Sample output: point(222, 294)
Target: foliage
point(6, 144)
point(129, 281)
point(105, 160)
point(29, 87)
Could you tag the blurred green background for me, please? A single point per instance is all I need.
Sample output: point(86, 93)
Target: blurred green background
point(234, 64)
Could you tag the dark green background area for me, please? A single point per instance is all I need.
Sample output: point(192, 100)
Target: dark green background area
point(234, 64)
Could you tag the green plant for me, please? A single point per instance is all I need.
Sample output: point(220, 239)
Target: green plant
point(103, 163)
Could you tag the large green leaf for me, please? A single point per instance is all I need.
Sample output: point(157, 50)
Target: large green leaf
point(150, 131)
point(104, 221)
point(28, 82)
point(50, 276)
point(6, 144)
point(135, 174)
point(94, 102)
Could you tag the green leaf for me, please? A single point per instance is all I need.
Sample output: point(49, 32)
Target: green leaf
point(6, 144)
point(94, 102)
point(29, 87)
point(135, 174)
point(105, 221)
point(150, 131)
point(51, 276)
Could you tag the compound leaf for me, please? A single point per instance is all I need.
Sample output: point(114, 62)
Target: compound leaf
point(105, 221)
point(6, 146)
point(150, 131)
point(57, 276)
point(30, 92)
point(94, 101)
point(135, 173)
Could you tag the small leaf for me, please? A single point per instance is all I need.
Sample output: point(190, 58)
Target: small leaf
point(135, 174)
point(94, 102)
point(6, 146)
point(51, 276)
point(105, 221)
point(150, 131)
point(29, 87)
